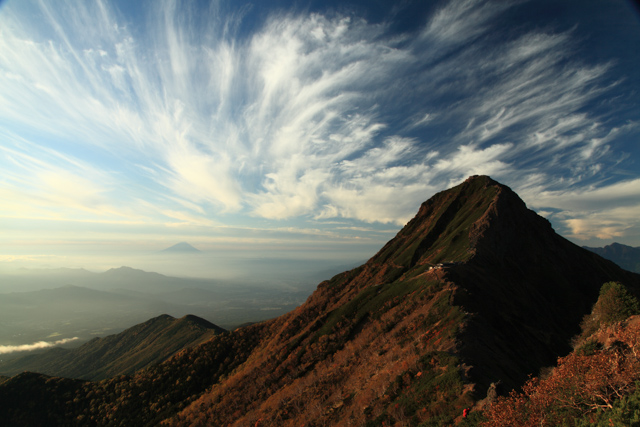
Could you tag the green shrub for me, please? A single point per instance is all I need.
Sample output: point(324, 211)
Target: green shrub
point(614, 304)
point(589, 348)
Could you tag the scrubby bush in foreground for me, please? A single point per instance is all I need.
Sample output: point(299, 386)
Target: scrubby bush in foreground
point(599, 384)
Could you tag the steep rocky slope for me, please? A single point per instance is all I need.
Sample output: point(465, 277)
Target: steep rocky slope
point(475, 289)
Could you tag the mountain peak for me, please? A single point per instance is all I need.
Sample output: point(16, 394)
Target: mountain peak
point(483, 179)
point(182, 247)
point(447, 226)
point(135, 348)
point(503, 262)
point(199, 321)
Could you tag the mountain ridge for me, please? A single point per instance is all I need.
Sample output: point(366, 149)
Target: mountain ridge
point(135, 348)
point(475, 289)
point(481, 226)
point(526, 274)
point(627, 257)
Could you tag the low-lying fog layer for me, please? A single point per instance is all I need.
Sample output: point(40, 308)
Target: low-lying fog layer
point(7, 349)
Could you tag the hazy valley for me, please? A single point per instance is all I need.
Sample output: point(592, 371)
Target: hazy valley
point(55, 304)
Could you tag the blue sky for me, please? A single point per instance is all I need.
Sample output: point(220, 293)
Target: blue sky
point(308, 127)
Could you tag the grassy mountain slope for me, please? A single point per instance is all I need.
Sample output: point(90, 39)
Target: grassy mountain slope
point(135, 348)
point(393, 341)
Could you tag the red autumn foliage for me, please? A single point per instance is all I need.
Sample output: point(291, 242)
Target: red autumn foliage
point(581, 383)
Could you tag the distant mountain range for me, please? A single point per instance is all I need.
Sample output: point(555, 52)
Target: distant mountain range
point(625, 256)
point(133, 349)
point(476, 290)
point(127, 278)
point(99, 304)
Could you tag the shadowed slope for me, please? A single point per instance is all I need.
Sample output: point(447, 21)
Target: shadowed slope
point(527, 289)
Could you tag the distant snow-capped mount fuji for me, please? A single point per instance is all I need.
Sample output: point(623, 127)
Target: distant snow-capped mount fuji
point(182, 247)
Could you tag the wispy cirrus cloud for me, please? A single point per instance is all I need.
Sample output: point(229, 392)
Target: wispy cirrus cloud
point(40, 177)
point(310, 115)
point(605, 211)
point(458, 22)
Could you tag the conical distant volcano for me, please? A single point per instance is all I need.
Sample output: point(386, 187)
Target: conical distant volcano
point(182, 247)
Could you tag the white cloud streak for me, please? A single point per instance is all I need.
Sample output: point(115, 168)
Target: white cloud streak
point(40, 345)
point(296, 119)
point(606, 212)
